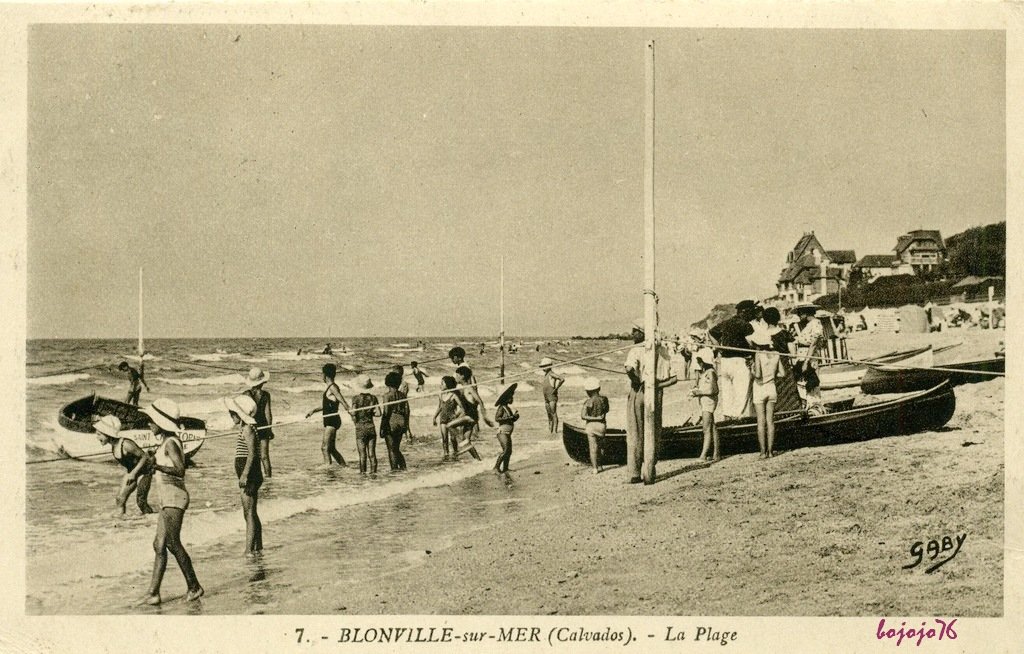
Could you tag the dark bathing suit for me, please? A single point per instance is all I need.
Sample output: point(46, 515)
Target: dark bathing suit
point(330, 408)
point(363, 418)
point(129, 461)
point(255, 480)
point(261, 415)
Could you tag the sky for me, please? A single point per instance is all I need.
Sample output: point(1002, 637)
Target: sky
point(298, 180)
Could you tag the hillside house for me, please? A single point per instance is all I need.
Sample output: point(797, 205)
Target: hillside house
point(919, 251)
point(812, 271)
point(873, 266)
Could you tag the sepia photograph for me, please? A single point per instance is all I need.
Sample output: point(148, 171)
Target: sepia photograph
point(359, 320)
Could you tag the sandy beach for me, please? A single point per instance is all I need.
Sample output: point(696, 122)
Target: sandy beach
point(815, 532)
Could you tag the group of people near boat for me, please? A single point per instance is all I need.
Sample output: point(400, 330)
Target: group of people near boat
point(746, 366)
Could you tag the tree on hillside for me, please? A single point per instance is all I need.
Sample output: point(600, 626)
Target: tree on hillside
point(979, 251)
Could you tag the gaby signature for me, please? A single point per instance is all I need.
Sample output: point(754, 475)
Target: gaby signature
point(935, 548)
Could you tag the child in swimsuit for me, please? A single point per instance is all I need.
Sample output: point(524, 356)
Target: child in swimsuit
point(364, 407)
point(552, 383)
point(421, 378)
point(506, 418)
point(394, 420)
point(594, 412)
point(136, 462)
point(706, 391)
point(449, 409)
point(766, 368)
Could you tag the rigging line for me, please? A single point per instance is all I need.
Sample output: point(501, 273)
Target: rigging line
point(68, 372)
point(874, 364)
point(585, 365)
point(232, 432)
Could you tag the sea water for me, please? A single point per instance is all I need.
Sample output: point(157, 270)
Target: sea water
point(81, 557)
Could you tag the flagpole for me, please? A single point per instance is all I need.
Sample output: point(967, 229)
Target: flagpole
point(141, 346)
point(501, 295)
point(650, 308)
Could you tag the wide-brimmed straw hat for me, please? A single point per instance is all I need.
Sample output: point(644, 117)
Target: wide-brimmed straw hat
point(546, 363)
point(591, 384)
point(256, 377)
point(164, 413)
point(363, 381)
point(506, 393)
point(805, 307)
point(639, 324)
point(108, 426)
point(243, 406)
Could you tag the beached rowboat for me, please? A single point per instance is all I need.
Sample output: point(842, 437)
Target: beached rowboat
point(77, 438)
point(847, 375)
point(905, 380)
point(925, 410)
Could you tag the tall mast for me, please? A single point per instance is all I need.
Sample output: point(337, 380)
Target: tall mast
point(141, 346)
point(651, 434)
point(501, 314)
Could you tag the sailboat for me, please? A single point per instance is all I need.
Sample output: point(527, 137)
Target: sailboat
point(76, 437)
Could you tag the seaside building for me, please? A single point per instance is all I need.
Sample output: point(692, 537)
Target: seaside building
point(921, 250)
point(873, 266)
point(812, 271)
point(975, 289)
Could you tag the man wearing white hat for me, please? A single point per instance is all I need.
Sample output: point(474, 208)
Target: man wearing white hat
point(552, 383)
point(264, 415)
point(635, 368)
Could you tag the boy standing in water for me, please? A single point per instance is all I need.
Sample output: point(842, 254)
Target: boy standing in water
point(136, 380)
point(506, 418)
point(706, 392)
point(421, 379)
point(552, 383)
point(449, 408)
point(364, 408)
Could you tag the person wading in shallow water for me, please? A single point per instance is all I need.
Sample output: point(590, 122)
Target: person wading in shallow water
point(169, 470)
point(264, 415)
point(247, 468)
point(552, 383)
point(133, 458)
point(635, 368)
point(332, 399)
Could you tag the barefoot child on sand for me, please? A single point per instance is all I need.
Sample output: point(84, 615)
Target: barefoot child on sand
point(506, 418)
point(706, 392)
point(765, 369)
point(593, 414)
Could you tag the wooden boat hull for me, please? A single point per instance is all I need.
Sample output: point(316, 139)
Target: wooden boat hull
point(878, 381)
point(848, 375)
point(926, 410)
point(77, 438)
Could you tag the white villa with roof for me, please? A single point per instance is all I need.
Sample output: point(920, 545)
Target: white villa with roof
point(812, 271)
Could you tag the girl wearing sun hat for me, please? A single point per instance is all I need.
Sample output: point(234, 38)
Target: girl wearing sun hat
point(242, 410)
point(134, 460)
point(506, 418)
point(256, 380)
point(169, 470)
point(364, 408)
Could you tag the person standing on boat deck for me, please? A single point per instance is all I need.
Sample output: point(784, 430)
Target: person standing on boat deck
point(810, 337)
point(169, 470)
point(331, 400)
point(247, 468)
point(635, 367)
point(734, 388)
point(394, 419)
point(594, 415)
point(264, 415)
point(136, 380)
point(474, 405)
point(782, 342)
point(364, 407)
point(552, 383)
point(133, 458)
